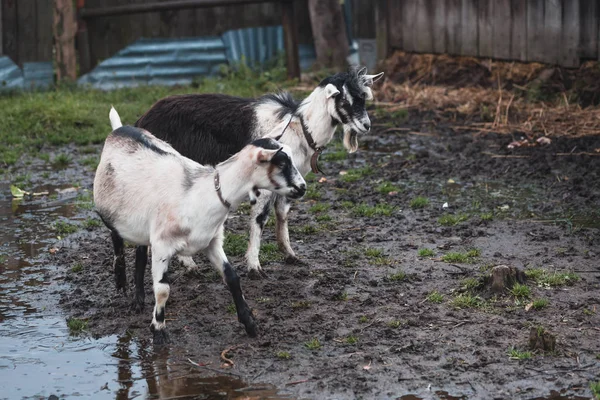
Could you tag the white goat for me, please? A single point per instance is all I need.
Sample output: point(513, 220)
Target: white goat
point(149, 194)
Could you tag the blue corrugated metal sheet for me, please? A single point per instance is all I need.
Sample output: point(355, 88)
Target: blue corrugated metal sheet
point(159, 62)
point(11, 76)
point(38, 74)
point(255, 45)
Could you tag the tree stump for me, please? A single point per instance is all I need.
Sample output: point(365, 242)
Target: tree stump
point(503, 277)
point(329, 32)
point(539, 339)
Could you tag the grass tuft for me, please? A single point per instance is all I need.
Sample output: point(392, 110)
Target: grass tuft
point(538, 304)
point(365, 210)
point(387, 187)
point(64, 228)
point(515, 354)
point(520, 291)
point(457, 257)
point(551, 279)
point(451, 220)
point(313, 344)
point(76, 325)
point(269, 252)
point(467, 300)
point(235, 245)
point(319, 208)
point(283, 355)
point(595, 388)
point(419, 202)
point(397, 277)
point(354, 175)
point(425, 253)
point(435, 297)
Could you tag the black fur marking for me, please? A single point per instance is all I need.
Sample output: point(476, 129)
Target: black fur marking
point(207, 128)
point(165, 279)
point(267, 143)
point(284, 162)
point(160, 315)
point(136, 134)
point(261, 219)
point(141, 261)
point(284, 99)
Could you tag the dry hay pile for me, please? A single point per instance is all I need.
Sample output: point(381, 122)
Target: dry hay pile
point(507, 97)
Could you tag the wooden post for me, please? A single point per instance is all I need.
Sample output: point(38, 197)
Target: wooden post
point(290, 33)
point(64, 28)
point(329, 32)
point(382, 34)
point(83, 43)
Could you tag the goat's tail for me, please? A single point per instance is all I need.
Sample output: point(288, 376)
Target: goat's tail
point(115, 120)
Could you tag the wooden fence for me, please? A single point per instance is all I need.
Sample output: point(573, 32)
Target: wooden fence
point(560, 32)
point(26, 30)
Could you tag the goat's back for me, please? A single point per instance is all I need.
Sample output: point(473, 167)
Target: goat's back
point(208, 128)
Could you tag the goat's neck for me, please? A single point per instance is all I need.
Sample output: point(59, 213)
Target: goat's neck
point(315, 114)
point(235, 182)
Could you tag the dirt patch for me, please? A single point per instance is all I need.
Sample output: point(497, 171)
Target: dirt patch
point(372, 314)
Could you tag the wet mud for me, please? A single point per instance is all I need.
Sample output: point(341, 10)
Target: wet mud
point(363, 291)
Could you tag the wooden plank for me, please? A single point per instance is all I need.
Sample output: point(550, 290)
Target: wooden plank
point(502, 29)
point(485, 28)
point(453, 29)
point(10, 37)
point(291, 40)
point(26, 30)
point(423, 39)
point(535, 30)
point(408, 24)
point(589, 19)
point(518, 34)
point(569, 41)
point(468, 28)
point(384, 39)
point(363, 19)
point(64, 30)
point(44, 13)
point(439, 27)
point(552, 30)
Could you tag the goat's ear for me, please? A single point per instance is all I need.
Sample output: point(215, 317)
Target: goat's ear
point(362, 71)
point(370, 79)
point(331, 90)
point(264, 155)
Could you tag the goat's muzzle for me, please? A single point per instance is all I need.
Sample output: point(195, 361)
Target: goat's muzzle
point(298, 191)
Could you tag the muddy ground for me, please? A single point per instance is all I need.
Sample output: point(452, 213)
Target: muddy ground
point(380, 336)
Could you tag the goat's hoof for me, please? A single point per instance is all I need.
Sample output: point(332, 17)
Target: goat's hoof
point(251, 328)
point(137, 306)
point(161, 336)
point(294, 260)
point(257, 274)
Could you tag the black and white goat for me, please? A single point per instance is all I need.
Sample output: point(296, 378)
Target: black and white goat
point(149, 194)
point(209, 128)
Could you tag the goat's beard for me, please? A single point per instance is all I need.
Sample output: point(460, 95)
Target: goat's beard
point(350, 139)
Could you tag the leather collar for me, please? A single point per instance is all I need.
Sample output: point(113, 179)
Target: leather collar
point(314, 160)
point(218, 190)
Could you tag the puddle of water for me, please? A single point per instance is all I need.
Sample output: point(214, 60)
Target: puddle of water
point(38, 356)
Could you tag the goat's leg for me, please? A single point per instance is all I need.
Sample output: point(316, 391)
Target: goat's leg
point(218, 259)
point(141, 260)
point(119, 261)
point(160, 263)
point(259, 215)
point(282, 209)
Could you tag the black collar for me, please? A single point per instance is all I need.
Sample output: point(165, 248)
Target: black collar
point(314, 160)
point(218, 189)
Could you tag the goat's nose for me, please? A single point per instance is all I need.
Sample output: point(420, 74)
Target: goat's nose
point(367, 125)
point(302, 187)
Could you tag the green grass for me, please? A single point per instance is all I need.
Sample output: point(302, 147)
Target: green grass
point(467, 300)
point(470, 284)
point(520, 291)
point(350, 340)
point(303, 304)
point(77, 268)
point(312, 192)
point(458, 257)
point(451, 220)
point(92, 223)
point(323, 218)
point(342, 296)
point(435, 297)
point(363, 319)
point(91, 162)
point(235, 245)
point(538, 304)
point(419, 202)
point(397, 277)
point(231, 309)
point(269, 252)
point(354, 175)
point(387, 187)
point(373, 252)
point(61, 161)
point(486, 216)
point(283, 355)
point(551, 279)
point(394, 324)
point(64, 228)
point(335, 155)
point(425, 253)
point(76, 325)
point(365, 210)
point(319, 208)
point(515, 354)
point(595, 388)
point(313, 344)
point(31, 120)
